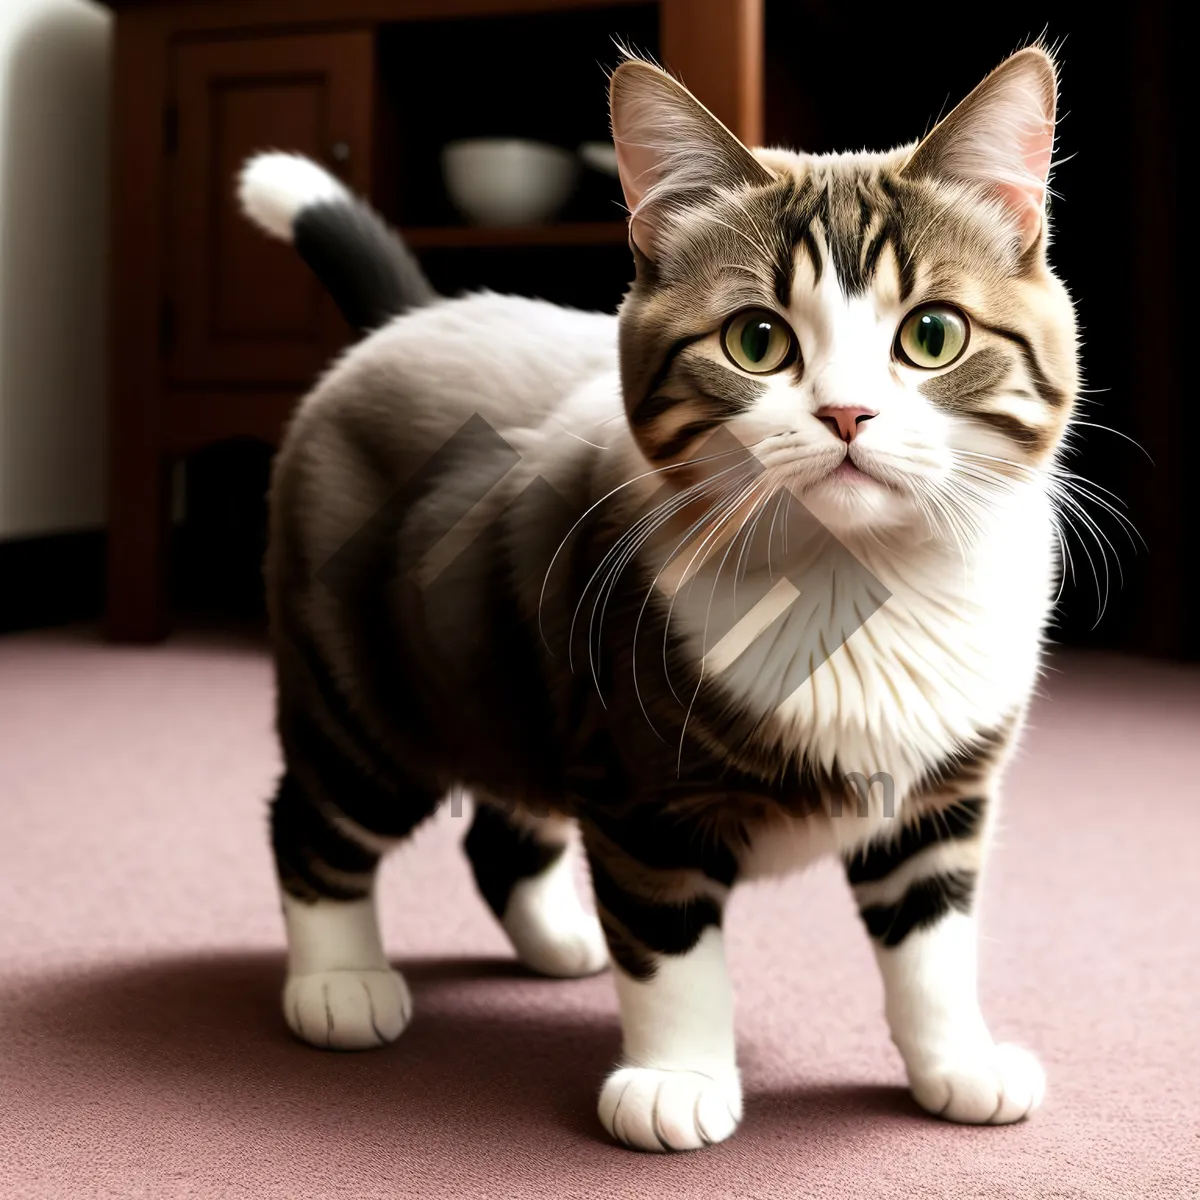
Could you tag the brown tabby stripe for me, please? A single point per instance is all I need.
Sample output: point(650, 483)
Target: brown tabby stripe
point(502, 852)
point(653, 404)
point(925, 902)
point(718, 383)
point(809, 242)
point(956, 822)
point(306, 844)
point(1053, 396)
point(845, 209)
point(660, 840)
point(1015, 429)
point(682, 438)
point(714, 393)
point(848, 212)
point(692, 378)
point(639, 930)
point(969, 386)
point(970, 383)
point(375, 797)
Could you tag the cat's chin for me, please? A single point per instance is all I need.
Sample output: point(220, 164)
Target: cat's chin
point(849, 501)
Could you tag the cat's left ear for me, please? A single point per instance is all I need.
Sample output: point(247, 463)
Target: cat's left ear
point(1000, 139)
point(671, 151)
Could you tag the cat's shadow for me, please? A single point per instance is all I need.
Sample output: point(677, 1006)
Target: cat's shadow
point(186, 1024)
point(199, 1029)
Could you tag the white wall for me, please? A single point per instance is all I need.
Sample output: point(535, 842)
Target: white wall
point(54, 65)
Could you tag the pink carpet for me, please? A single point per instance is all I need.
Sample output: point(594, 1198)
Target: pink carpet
point(140, 960)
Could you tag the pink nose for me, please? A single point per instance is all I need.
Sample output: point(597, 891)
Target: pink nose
point(844, 422)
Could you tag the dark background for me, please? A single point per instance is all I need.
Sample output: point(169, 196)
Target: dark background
point(842, 77)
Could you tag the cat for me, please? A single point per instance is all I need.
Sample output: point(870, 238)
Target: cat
point(754, 572)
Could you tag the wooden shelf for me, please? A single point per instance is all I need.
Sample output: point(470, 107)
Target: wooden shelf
point(576, 233)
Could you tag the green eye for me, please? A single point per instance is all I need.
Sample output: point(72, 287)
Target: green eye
point(758, 341)
point(934, 335)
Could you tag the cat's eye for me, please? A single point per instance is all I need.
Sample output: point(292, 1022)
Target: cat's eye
point(932, 336)
point(758, 341)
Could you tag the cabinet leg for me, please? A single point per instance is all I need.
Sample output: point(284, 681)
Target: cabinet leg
point(139, 528)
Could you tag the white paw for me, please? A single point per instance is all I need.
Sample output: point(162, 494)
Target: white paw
point(347, 1010)
point(565, 948)
point(653, 1109)
point(995, 1085)
point(550, 930)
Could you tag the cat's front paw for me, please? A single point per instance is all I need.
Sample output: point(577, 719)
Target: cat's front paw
point(653, 1109)
point(994, 1085)
point(347, 1010)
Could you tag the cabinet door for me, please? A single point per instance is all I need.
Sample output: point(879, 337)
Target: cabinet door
point(243, 308)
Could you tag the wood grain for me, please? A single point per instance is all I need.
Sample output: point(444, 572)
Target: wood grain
point(716, 48)
point(246, 308)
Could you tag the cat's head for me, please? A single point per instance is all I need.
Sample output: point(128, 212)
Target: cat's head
point(880, 329)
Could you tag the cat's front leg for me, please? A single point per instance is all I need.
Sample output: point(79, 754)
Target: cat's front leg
point(916, 892)
point(677, 1087)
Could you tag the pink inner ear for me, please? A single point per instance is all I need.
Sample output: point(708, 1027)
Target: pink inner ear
point(1038, 148)
point(1027, 201)
point(1027, 206)
point(636, 167)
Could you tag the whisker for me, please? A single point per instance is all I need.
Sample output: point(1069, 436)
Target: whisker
point(687, 535)
point(704, 636)
point(1073, 510)
point(729, 509)
point(1116, 432)
point(632, 541)
point(780, 494)
point(756, 515)
point(608, 496)
point(616, 551)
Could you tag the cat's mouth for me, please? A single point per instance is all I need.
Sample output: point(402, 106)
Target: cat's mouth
point(847, 470)
point(852, 472)
point(838, 475)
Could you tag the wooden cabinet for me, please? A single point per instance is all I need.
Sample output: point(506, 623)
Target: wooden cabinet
point(241, 308)
point(216, 330)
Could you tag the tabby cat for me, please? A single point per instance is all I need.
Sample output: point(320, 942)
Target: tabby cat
point(754, 572)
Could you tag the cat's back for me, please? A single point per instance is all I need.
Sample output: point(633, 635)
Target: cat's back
point(413, 383)
point(445, 387)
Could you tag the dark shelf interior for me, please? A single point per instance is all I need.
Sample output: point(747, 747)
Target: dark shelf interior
point(538, 76)
point(558, 233)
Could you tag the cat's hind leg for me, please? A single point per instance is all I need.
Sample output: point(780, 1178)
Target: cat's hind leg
point(524, 869)
point(341, 993)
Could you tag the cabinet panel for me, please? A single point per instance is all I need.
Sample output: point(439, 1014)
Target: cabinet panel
point(244, 308)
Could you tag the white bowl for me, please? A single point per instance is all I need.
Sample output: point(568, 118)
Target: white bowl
point(508, 181)
point(600, 156)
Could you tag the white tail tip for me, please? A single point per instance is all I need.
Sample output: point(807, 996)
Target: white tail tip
point(273, 188)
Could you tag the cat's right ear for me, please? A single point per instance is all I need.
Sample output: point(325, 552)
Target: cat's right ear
point(671, 151)
point(1000, 140)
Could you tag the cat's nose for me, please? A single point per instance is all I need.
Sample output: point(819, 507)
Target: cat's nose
point(844, 422)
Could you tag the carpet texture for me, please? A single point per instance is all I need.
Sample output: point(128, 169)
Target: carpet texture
point(143, 1052)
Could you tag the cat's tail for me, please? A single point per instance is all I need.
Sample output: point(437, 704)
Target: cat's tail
point(369, 271)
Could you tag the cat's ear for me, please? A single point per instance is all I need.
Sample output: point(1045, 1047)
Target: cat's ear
point(1000, 139)
point(670, 150)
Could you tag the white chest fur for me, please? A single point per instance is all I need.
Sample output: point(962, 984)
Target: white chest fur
point(951, 652)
